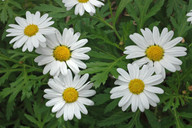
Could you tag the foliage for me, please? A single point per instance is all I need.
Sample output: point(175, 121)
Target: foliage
point(22, 82)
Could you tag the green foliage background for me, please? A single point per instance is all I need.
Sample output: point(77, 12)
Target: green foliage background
point(22, 82)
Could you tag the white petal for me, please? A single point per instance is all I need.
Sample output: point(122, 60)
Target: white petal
point(44, 60)
point(172, 43)
point(60, 112)
point(167, 65)
point(148, 36)
point(154, 89)
point(21, 21)
point(35, 42)
point(133, 71)
point(58, 106)
point(119, 88)
point(144, 100)
point(134, 103)
point(87, 7)
point(82, 108)
point(79, 63)
point(40, 37)
point(55, 86)
point(87, 93)
point(44, 51)
point(29, 17)
point(142, 61)
point(68, 78)
point(79, 44)
point(124, 74)
point(132, 48)
point(124, 99)
point(152, 96)
point(86, 101)
point(71, 111)
point(55, 68)
point(166, 38)
point(152, 79)
point(73, 66)
point(63, 68)
point(53, 101)
point(77, 111)
point(156, 35)
point(173, 60)
point(135, 55)
point(96, 3)
point(81, 82)
point(22, 41)
point(139, 40)
point(118, 94)
point(127, 104)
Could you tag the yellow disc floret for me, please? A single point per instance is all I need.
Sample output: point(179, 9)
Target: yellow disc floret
point(70, 95)
point(136, 86)
point(154, 53)
point(61, 53)
point(31, 30)
point(83, 1)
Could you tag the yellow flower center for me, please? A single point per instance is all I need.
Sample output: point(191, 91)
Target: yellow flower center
point(154, 53)
point(136, 86)
point(83, 1)
point(31, 30)
point(70, 95)
point(61, 53)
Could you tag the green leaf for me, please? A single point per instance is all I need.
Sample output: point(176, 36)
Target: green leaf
point(115, 118)
point(185, 115)
point(141, 10)
point(16, 4)
point(152, 119)
point(111, 106)
point(31, 118)
point(122, 5)
point(174, 5)
point(4, 15)
point(154, 9)
point(100, 78)
point(134, 120)
point(102, 70)
point(101, 98)
point(47, 8)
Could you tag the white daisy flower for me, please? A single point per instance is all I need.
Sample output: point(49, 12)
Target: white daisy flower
point(137, 88)
point(62, 51)
point(29, 32)
point(83, 5)
point(68, 95)
point(190, 16)
point(156, 49)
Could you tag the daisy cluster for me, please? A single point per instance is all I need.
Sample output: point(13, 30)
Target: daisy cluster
point(63, 55)
point(156, 52)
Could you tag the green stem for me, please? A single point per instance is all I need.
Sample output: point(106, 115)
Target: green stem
point(176, 118)
point(17, 62)
point(187, 97)
point(109, 25)
point(110, 9)
point(10, 70)
point(178, 81)
point(186, 74)
point(7, 58)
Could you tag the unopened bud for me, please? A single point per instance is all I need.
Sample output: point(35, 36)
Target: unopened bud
point(190, 88)
point(121, 43)
point(20, 62)
point(184, 92)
